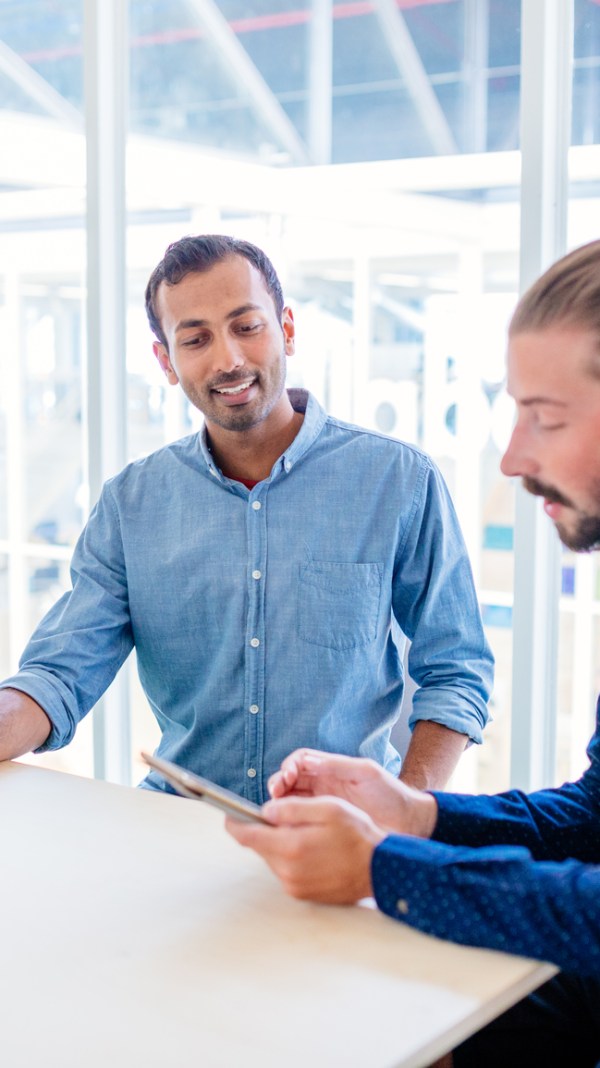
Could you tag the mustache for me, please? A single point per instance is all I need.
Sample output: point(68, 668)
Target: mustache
point(539, 489)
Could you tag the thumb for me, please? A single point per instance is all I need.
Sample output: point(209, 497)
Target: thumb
point(294, 811)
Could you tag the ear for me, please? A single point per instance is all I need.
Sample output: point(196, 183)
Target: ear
point(162, 356)
point(289, 331)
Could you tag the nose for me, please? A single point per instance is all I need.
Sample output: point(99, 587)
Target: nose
point(519, 458)
point(226, 354)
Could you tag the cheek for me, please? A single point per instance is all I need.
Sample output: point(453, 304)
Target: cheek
point(572, 466)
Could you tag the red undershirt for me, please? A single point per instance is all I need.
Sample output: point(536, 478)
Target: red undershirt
point(249, 483)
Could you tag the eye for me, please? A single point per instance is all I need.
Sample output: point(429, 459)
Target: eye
point(193, 342)
point(549, 417)
point(249, 328)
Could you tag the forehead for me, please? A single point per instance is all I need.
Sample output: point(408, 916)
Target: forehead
point(555, 363)
point(212, 294)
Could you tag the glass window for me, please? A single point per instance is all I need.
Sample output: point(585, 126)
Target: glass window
point(400, 259)
point(42, 250)
point(579, 646)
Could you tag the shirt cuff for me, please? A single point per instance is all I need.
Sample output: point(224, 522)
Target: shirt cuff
point(47, 693)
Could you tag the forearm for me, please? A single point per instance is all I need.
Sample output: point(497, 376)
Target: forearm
point(552, 824)
point(432, 755)
point(495, 897)
point(23, 724)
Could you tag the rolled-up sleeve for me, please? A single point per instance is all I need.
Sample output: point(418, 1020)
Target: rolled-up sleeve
point(436, 606)
point(75, 652)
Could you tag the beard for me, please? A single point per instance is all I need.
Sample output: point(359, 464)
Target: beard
point(585, 534)
point(270, 383)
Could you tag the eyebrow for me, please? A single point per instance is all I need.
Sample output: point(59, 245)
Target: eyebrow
point(543, 400)
point(191, 324)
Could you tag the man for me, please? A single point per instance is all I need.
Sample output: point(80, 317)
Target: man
point(532, 884)
point(260, 566)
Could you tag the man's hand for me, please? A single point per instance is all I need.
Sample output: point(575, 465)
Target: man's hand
point(320, 849)
point(23, 724)
point(391, 804)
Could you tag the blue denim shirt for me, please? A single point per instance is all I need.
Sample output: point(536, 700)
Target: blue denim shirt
point(268, 619)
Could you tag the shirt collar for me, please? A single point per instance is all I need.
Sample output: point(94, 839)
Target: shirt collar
point(314, 420)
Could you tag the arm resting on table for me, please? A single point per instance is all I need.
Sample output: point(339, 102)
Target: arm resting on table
point(24, 725)
point(495, 897)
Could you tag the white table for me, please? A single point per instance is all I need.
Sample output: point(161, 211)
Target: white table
point(135, 932)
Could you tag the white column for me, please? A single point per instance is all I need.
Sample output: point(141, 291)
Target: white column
point(467, 480)
point(361, 331)
point(320, 78)
point(546, 63)
point(105, 64)
point(12, 344)
point(583, 655)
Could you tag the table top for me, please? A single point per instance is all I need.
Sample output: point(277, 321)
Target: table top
point(135, 931)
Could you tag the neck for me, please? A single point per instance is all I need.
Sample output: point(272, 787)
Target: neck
point(251, 454)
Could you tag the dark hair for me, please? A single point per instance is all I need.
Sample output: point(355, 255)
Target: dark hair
point(567, 294)
point(191, 254)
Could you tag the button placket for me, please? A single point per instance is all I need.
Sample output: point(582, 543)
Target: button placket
point(255, 666)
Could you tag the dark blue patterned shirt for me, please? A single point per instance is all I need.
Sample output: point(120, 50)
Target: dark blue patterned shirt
point(514, 872)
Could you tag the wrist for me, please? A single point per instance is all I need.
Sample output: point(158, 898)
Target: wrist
point(428, 815)
point(418, 815)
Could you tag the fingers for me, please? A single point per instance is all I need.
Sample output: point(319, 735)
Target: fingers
point(296, 773)
point(296, 811)
point(320, 848)
point(284, 780)
point(247, 834)
point(311, 772)
point(288, 812)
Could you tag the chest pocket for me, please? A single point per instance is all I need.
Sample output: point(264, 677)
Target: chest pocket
point(338, 604)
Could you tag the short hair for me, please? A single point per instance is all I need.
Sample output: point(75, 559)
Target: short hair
point(197, 254)
point(567, 294)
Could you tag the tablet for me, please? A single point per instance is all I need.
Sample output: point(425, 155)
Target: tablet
point(194, 786)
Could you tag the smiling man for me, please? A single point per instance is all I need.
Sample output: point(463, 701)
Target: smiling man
point(268, 570)
point(514, 872)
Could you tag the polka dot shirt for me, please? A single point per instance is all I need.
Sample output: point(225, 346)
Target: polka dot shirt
point(514, 872)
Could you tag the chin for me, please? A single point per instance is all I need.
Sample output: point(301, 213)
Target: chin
point(583, 538)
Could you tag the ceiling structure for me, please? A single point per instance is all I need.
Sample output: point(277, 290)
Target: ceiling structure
point(242, 109)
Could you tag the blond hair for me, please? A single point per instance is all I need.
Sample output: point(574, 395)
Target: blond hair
point(567, 294)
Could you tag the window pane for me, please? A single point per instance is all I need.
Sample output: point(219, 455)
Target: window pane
point(579, 647)
point(42, 251)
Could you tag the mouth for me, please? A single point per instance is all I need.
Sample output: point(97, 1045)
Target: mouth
point(552, 509)
point(553, 500)
point(237, 393)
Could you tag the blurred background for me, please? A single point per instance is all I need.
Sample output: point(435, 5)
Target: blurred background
point(373, 149)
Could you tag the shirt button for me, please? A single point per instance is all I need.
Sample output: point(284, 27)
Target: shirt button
point(287, 465)
point(254, 709)
point(212, 471)
point(256, 505)
point(251, 773)
point(256, 574)
point(255, 642)
point(402, 906)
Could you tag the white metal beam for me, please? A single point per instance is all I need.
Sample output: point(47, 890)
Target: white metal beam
point(409, 63)
point(249, 79)
point(320, 81)
point(476, 21)
point(546, 69)
point(105, 52)
point(37, 88)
